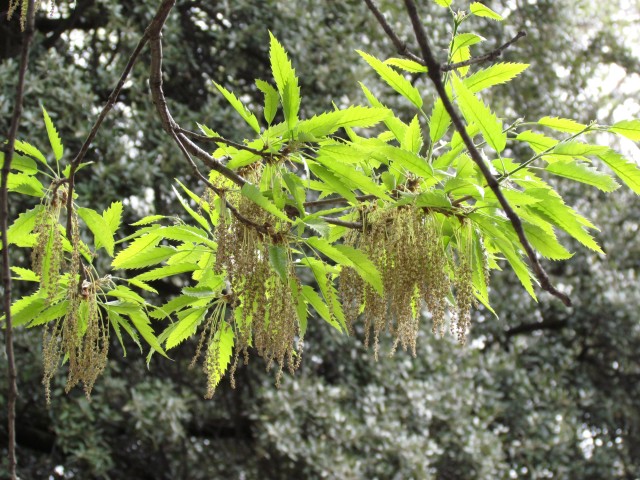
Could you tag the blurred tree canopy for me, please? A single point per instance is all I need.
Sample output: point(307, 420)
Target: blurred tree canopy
point(541, 392)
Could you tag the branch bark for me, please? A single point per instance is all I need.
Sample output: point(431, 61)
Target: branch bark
point(434, 73)
point(12, 390)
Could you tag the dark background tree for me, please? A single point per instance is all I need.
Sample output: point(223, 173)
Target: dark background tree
point(541, 392)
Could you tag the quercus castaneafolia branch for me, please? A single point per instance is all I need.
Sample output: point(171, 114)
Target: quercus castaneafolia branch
point(9, 150)
point(434, 73)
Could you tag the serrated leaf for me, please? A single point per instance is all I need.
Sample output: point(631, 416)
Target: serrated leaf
point(54, 138)
point(220, 351)
point(394, 79)
point(407, 65)
point(480, 10)
point(29, 311)
point(626, 170)
point(149, 257)
point(433, 198)
point(413, 136)
point(562, 124)
point(25, 274)
point(142, 286)
point(439, 121)
point(118, 321)
point(545, 242)
point(554, 210)
point(291, 104)
point(25, 184)
point(136, 247)
point(271, 100)
point(581, 172)
point(627, 128)
point(52, 312)
point(21, 163)
point(185, 328)
point(99, 227)
point(475, 111)
point(20, 232)
point(142, 324)
point(393, 123)
point(28, 149)
point(113, 216)
point(311, 296)
point(353, 178)
point(166, 271)
point(443, 3)
point(195, 215)
point(244, 112)
point(493, 75)
point(125, 293)
point(279, 260)
point(321, 227)
point(148, 219)
point(363, 265)
point(253, 193)
point(413, 163)
point(171, 306)
point(354, 116)
point(286, 81)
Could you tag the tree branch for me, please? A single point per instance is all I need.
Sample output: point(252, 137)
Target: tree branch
point(434, 73)
point(487, 57)
point(12, 388)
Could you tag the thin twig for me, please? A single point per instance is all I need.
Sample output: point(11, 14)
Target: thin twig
point(12, 374)
point(487, 57)
point(343, 223)
point(434, 73)
point(230, 143)
point(111, 101)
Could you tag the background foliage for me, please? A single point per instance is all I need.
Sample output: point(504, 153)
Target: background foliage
point(541, 392)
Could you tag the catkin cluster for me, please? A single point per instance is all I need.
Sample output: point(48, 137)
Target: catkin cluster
point(406, 245)
point(265, 316)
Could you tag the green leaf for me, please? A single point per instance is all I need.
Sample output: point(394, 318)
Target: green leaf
point(141, 322)
point(562, 124)
point(545, 242)
point(556, 212)
point(493, 75)
point(166, 271)
point(433, 198)
point(148, 257)
point(138, 246)
point(253, 193)
point(475, 111)
point(354, 116)
point(186, 327)
point(318, 304)
point(52, 312)
point(480, 10)
point(113, 216)
point(413, 163)
point(627, 128)
point(443, 3)
point(363, 265)
point(195, 215)
point(244, 112)
point(413, 136)
point(353, 178)
point(118, 321)
point(21, 163)
point(271, 100)
point(286, 81)
point(439, 121)
point(626, 170)
point(20, 232)
point(148, 219)
point(172, 306)
point(29, 311)
point(25, 184)
point(100, 229)
point(30, 150)
point(220, 351)
point(392, 122)
point(25, 274)
point(54, 138)
point(279, 260)
point(581, 172)
point(407, 65)
point(394, 79)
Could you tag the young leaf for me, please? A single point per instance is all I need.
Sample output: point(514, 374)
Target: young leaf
point(354, 116)
point(21, 163)
point(166, 271)
point(52, 312)
point(443, 3)
point(413, 136)
point(439, 121)
point(279, 261)
point(271, 100)
point(20, 232)
point(407, 65)
point(493, 75)
point(626, 170)
point(353, 178)
point(54, 138)
point(248, 117)
point(30, 150)
point(113, 216)
point(253, 193)
point(149, 257)
point(286, 82)
point(220, 350)
point(25, 274)
point(475, 111)
point(186, 327)
point(480, 10)
point(100, 229)
point(627, 128)
point(581, 172)
point(141, 322)
point(410, 161)
point(394, 79)
point(562, 124)
point(333, 182)
point(195, 215)
point(318, 304)
point(138, 246)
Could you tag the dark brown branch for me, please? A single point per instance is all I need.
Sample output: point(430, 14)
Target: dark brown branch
point(12, 387)
point(343, 223)
point(94, 130)
point(434, 73)
point(487, 57)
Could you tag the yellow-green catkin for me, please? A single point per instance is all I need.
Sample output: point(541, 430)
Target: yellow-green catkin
point(463, 283)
